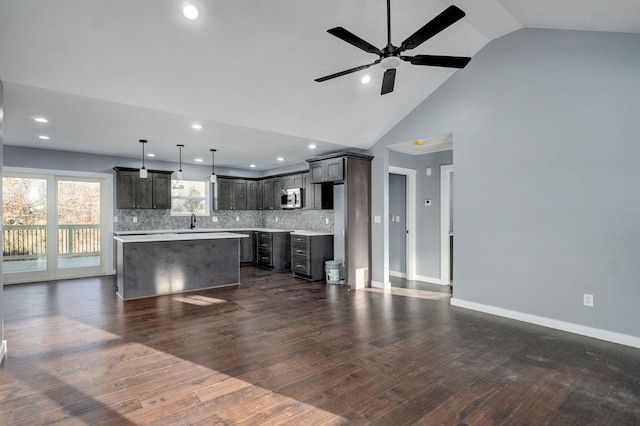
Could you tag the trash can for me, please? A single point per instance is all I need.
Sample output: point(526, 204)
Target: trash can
point(332, 271)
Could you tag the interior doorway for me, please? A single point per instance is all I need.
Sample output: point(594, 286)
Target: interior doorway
point(402, 221)
point(446, 224)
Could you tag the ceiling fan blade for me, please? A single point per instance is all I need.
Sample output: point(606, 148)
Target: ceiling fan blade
point(438, 61)
point(448, 17)
point(345, 72)
point(388, 81)
point(353, 39)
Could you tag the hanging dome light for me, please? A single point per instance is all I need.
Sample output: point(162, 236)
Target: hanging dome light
point(143, 170)
point(180, 174)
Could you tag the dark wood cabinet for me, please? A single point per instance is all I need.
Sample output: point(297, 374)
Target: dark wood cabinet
point(271, 189)
point(329, 170)
point(254, 195)
point(316, 196)
point(161, 190)
point(292, 181)
point(273, 250)
point(154, 192)
point(247, 248)
point(308, 254)
point(232, 194)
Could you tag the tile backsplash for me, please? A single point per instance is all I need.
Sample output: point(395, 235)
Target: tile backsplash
point(149, 219)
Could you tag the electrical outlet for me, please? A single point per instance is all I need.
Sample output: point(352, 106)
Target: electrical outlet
point(214, 218)
point(115, 219)
point(588, 300)
point(134, 219)
point(276, 220)
point(237, 218)
point(326, 220)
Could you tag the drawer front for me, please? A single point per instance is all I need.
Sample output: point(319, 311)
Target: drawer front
point(264, 237)
point(264, 257)
point(300, 264)
point(300, 250)
point(299, 241)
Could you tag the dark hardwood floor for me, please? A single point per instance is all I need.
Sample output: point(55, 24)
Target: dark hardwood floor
point(278, 350)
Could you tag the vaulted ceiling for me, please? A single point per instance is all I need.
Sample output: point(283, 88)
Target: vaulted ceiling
point(106, 73)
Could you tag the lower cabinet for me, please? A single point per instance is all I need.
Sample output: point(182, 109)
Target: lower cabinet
point(247, 248)
point(273, 250)
point(308, 254)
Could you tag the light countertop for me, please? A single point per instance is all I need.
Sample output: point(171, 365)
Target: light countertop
point(156, 237)
point(216, 230)
point(310, 233)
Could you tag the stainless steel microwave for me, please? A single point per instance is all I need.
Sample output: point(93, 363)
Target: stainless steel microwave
point(291, 198)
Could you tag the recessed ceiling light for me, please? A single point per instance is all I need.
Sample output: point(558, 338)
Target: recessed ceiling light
point(365, 79)
point(196, 126)
point(46, 138)
point(312, 146)
point(151, 155)
point(280, 159)
point(198, 160)
point(252, 165)
point(190, 11)
point(41, 120)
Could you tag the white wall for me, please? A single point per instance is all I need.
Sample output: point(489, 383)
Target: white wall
point(546, 157)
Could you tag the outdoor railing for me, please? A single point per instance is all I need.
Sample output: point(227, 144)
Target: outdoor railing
point(22, 242)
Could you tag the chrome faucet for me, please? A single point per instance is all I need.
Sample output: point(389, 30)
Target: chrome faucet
point(193, 220)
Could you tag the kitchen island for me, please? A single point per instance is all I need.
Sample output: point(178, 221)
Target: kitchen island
point(157, 264)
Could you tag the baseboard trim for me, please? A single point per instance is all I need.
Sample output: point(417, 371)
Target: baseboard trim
point(596, 333)
point(397, 274)
point(378, 284)
point(430, 280)
point(3, 350)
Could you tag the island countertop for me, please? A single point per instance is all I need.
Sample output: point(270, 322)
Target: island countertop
point(170, 236)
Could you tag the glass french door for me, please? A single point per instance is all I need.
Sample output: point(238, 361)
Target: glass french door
point(53, 227)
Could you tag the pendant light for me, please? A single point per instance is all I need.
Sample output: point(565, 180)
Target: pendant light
point(213, 167)
point(180, 174)
point(143, 171)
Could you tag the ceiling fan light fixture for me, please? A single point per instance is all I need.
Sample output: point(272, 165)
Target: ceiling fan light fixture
point(390, 62)
point(366, 79)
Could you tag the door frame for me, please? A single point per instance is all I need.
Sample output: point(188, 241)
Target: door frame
point(445, 199)
point(106, 240)
point(410, 208)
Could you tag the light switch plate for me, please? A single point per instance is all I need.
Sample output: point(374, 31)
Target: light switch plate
point(377, 219)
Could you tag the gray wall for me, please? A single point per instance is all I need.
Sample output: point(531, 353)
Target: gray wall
point(546, 156)
point(397, 223)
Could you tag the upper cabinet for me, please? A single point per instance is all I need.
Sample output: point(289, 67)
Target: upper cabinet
point(271, 189)
point(328, 170)
point(316, 196)
point(265, 194)
point(254, 195)
point(292, 181)
point(232, 194)
point(154, 192)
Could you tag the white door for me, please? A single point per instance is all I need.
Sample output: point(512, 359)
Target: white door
point(53, 227)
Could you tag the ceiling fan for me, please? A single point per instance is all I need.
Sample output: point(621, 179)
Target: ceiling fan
point(391, 56)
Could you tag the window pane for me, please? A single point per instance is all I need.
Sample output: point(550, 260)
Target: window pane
point(24, 220)
point(189, 196)
point(78, 224)
point(188, 188)
point(188, 206)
